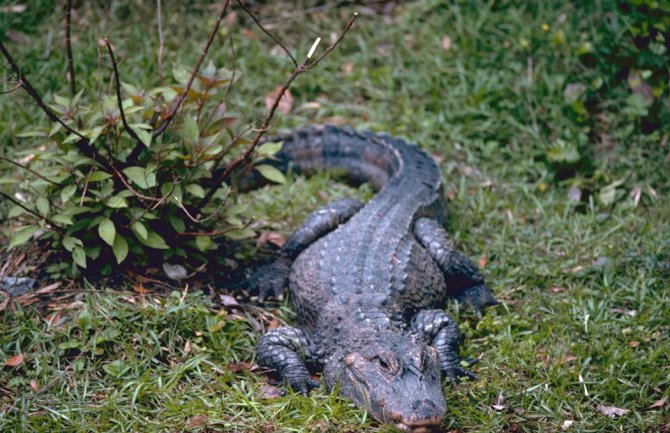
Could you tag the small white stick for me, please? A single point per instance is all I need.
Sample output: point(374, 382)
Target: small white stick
point(314, 45)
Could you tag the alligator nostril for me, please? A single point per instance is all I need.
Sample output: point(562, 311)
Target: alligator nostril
point(423, 408)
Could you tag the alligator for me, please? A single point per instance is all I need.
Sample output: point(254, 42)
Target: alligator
point(369, 282)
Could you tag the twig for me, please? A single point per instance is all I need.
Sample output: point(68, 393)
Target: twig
point(5, 92)
point(32, 212)
point(33, 94)
point(119, 100)
point(31, 171)
point(260, 132)
point(182, 97)
point(68, 48)
point(201, 220)
point(161, 41)
point(218, 232)
point(260, 26)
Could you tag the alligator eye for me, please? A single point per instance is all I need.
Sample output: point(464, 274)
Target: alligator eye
point(382, 363)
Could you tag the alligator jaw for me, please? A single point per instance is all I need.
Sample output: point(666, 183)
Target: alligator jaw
point(423, 426)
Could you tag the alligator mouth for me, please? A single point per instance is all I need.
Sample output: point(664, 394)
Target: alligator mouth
point(423, 426)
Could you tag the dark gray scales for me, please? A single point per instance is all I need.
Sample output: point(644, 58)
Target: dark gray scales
point(369, 281)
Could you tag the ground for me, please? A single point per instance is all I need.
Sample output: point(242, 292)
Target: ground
point(561, 198)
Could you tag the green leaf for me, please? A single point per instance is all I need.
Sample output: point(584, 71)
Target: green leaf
point(271, 173)
point(62, 219)
point(189, 130)
point(196, 190)
point(98, 175)
point(42, 206)
point(70, 242)
point(107, 231)
point(116, 202)
point(144, 136)
point(203, 242)
point(269, 149)
point(15, 211)
point(141, 177)
point(120, 248)
point(177, 223)
point(154, 240)
point(67, 192)
point(240, 234)
point(140, 230)
point(79, 256)
point(21, 236)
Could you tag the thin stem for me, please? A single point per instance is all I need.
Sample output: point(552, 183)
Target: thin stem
point(119, 100)
point(184, 93)
point(260, 132)
point(68, 48)
point(161, 41)
point(260, 26)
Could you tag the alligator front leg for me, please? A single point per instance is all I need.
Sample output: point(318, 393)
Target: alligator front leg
point(464, 281)
point(440, 331)
point(272, 278)
point(283, 351)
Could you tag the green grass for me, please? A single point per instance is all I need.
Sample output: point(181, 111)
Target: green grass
point(584, 286)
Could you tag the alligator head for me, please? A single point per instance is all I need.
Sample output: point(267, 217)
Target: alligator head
point(395, 377)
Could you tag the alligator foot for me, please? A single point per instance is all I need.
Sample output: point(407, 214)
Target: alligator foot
point(479, 297)
point(269, 280)
point(440, 331)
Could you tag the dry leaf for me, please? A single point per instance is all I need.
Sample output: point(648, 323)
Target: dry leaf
point(611, 411)
point(446, 43)
point(635, 195)
point(633, 344)
point(269, 391)
point(15, 360)
point(285, 103)
point(271, 237)
point(34, 385)
point(347, 68)
point(566, 424)
point(139, 288)
point(659, 403)
point(558, 289)
point(175, 272)
point(228, 301)
point(197, 420)
point(483, 261)
point(569, 357)
point(236, 367)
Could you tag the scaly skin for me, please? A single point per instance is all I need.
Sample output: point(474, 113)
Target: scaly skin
point(369, 281)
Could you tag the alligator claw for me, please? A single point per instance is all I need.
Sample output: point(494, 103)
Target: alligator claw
point(304, 386)
point(455, 372)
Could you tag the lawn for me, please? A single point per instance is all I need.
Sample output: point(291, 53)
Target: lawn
point(556, 163)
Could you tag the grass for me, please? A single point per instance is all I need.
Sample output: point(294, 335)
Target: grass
point(583, 283)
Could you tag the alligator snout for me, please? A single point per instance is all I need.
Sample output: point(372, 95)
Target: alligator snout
point(425, 417)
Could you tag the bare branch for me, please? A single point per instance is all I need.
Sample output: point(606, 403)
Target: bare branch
point(182, 97)
point(119, 100)
point(260, 26)
point(30, 170)
point(5, 92)
point(161, 41)
point(68, 48)
point(260, 132)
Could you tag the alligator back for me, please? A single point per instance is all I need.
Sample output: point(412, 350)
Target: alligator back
point(373, 259)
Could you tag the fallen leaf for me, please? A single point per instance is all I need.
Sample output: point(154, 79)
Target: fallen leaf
point(347, 68)
point(228, 301)
point(236, 367)
point(269, 391)
point(635, 195)
point(175, 272)
point(566, 424)
point(569, 357)
point(197, 420)
point(557, 289)
point(15, 360)
point(139, 288)
point(34, 385)
point(483, 261)
point(611, 411)
point(633, 344)
point(285, 103)
point(446, 43)
point(273, 238)
point(659, 403)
